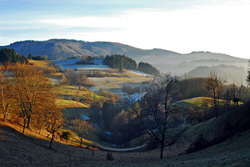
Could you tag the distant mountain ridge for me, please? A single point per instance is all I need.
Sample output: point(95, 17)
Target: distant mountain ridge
point(164, 60)
point(229, 73)
point(63, 48)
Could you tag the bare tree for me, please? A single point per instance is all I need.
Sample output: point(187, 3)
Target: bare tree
point(155, 107)
point(53, 122)
point(6, 102)
point(230, 94)
point(214, 85)
point(30, 90)
point(82, 128)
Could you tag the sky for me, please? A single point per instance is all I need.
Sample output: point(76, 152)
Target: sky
point(182, 26)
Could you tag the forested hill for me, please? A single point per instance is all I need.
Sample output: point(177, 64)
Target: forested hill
point(62, 48)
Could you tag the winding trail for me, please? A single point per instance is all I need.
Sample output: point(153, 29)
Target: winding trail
point(109, 149)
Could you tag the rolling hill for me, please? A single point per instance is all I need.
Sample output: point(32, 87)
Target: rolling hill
point(229, 73)
point(164, 60)
point(20, 150)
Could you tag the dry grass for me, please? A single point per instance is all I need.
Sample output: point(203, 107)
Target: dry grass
point(199, 101)
point(109, 83)
point(56, 74)
point(43, 65)
point(69, 90)
point(19, 150)
point(62, 103)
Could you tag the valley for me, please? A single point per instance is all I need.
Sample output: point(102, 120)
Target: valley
point(127, 83)
point(120, 108)
point(183, 65)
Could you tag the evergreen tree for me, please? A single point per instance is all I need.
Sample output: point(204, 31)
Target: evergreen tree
point(148, 68)
point(8, 56)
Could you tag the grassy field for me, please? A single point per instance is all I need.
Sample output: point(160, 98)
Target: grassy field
point(43, 65)
point(199, 101)
point(72, 90)
point(62, 103)
point(111, 83)
point(194, 102)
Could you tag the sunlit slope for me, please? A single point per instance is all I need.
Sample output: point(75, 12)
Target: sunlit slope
point(199, 102)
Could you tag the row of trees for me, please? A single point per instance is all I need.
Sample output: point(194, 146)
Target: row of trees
point(37, 57)
point(75, 78)
point(27, 95)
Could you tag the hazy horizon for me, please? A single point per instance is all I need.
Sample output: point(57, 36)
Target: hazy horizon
point(179, 26)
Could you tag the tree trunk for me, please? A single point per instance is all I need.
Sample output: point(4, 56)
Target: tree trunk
point(81, 142)
point(52, 138)
point(215, 102)
point(28, 123)
point(162, 150)
point(4, 108)
point(163, 142)
point(24, 123)
point(5, 116)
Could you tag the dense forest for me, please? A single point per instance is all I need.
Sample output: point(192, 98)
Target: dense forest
point(148, 69)
point(8, 56)
point(122, 62)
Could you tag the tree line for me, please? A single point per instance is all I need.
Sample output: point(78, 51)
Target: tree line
point(8, 56)
point(123, 62)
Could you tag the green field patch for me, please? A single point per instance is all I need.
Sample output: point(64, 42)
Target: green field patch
point(200, 101)
point(195, 102)
point(74, 91)
point(62, 103)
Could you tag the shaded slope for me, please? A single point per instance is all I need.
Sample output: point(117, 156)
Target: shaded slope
point(230, 129)
point(19, 150)
point(229, 73)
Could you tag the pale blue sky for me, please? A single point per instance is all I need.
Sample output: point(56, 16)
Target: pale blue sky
point(178, 25)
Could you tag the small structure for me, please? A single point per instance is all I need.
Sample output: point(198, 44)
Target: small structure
point(109, 156)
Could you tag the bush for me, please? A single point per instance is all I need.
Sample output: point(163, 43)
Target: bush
point(76, 78)
point(66, 135)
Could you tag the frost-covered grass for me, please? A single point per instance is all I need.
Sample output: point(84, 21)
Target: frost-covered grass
point(72, 64)
point(115, 84)
point(140, 73)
